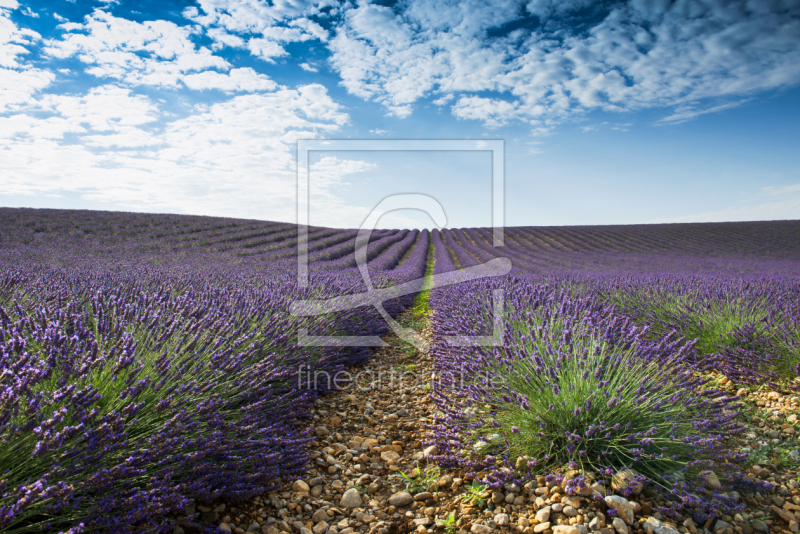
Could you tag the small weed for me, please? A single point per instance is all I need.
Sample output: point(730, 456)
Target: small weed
point(474, 495)
point(419, 480)
point(450, 525)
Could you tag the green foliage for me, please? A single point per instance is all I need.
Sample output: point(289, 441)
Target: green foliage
point(474, 494)
point(419, 480)
point(449, 524)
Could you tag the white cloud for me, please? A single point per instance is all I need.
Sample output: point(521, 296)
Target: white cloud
point(18, 81)
point(9, 4)
point(640, 55)
point(492, 112)
point(244, 79)
point(309, 68)
point(148, 53)
point(28, 13)
point(111, 146)
point(379, 132)
point(59, 18)
point(690, 111)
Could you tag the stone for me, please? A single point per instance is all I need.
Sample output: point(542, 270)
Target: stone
point(654, 526)
point(319, 515)
point(322, 431)
point(178, 530)
point(303, 530)
point(619, 526)
point(254, 527)
point(722, 526)
point(543, 515)
point(480, 529)
point(712, 480)
point(502, 520)
point(598, 523)
point(299, 486)
point(220, 508)
point(424, 496)
point(430, 451)
point(625, 481)
point(224, 527)
point(402, 498)
point(320, 528)
point(523, 522)
point(351, 499)
point(622, 506)
point(742, 392)
point(787, 517)
point(566, 529)
point(390, 456)
point(541, 527)
point(794, 526)
point(569, 511)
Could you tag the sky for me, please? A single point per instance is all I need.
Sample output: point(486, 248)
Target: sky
point(646, 111)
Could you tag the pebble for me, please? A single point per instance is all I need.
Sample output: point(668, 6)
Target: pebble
point(541, 527)
point(402, 498)
point(480, 529)
point(351, 499)
point(622, 506)
point(619, 526)
point(502, 520)
point(299, 486)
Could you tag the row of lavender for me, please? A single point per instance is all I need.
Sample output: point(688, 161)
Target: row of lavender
point(605, 363)
point(134, 383)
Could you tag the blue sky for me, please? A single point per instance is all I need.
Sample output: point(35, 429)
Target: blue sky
point(613, 112)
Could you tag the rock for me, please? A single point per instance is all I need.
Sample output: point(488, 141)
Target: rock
point(654, 526)
point(303, 530)
point(794, 526)
point(322, 431)
point(557, 507)
point(502, 520)
point(543, 515)
point(424, 496)
point(402, 498)
point(424, 521)
point(742, 392)
point(619, 526)
point(299, 486)
point(622, 506)
point(480, 529)
point(541, 527)
point(624, 481)
point(320, 528)
point(390, 456)
point(498, 497)
point(254, 527)
point(224, 527)
point(569, 511)
point(430, 451)
point(759, 526)
point(178, 530)
point(598, 523)
point(566, 529)
point(722, 526)
point(444, 481)
point(319, 515)
point(523, 522)
point(785, 516)
point(351, 499)
point(712, 480)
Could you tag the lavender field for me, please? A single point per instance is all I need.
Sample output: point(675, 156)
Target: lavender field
point(150, 362)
